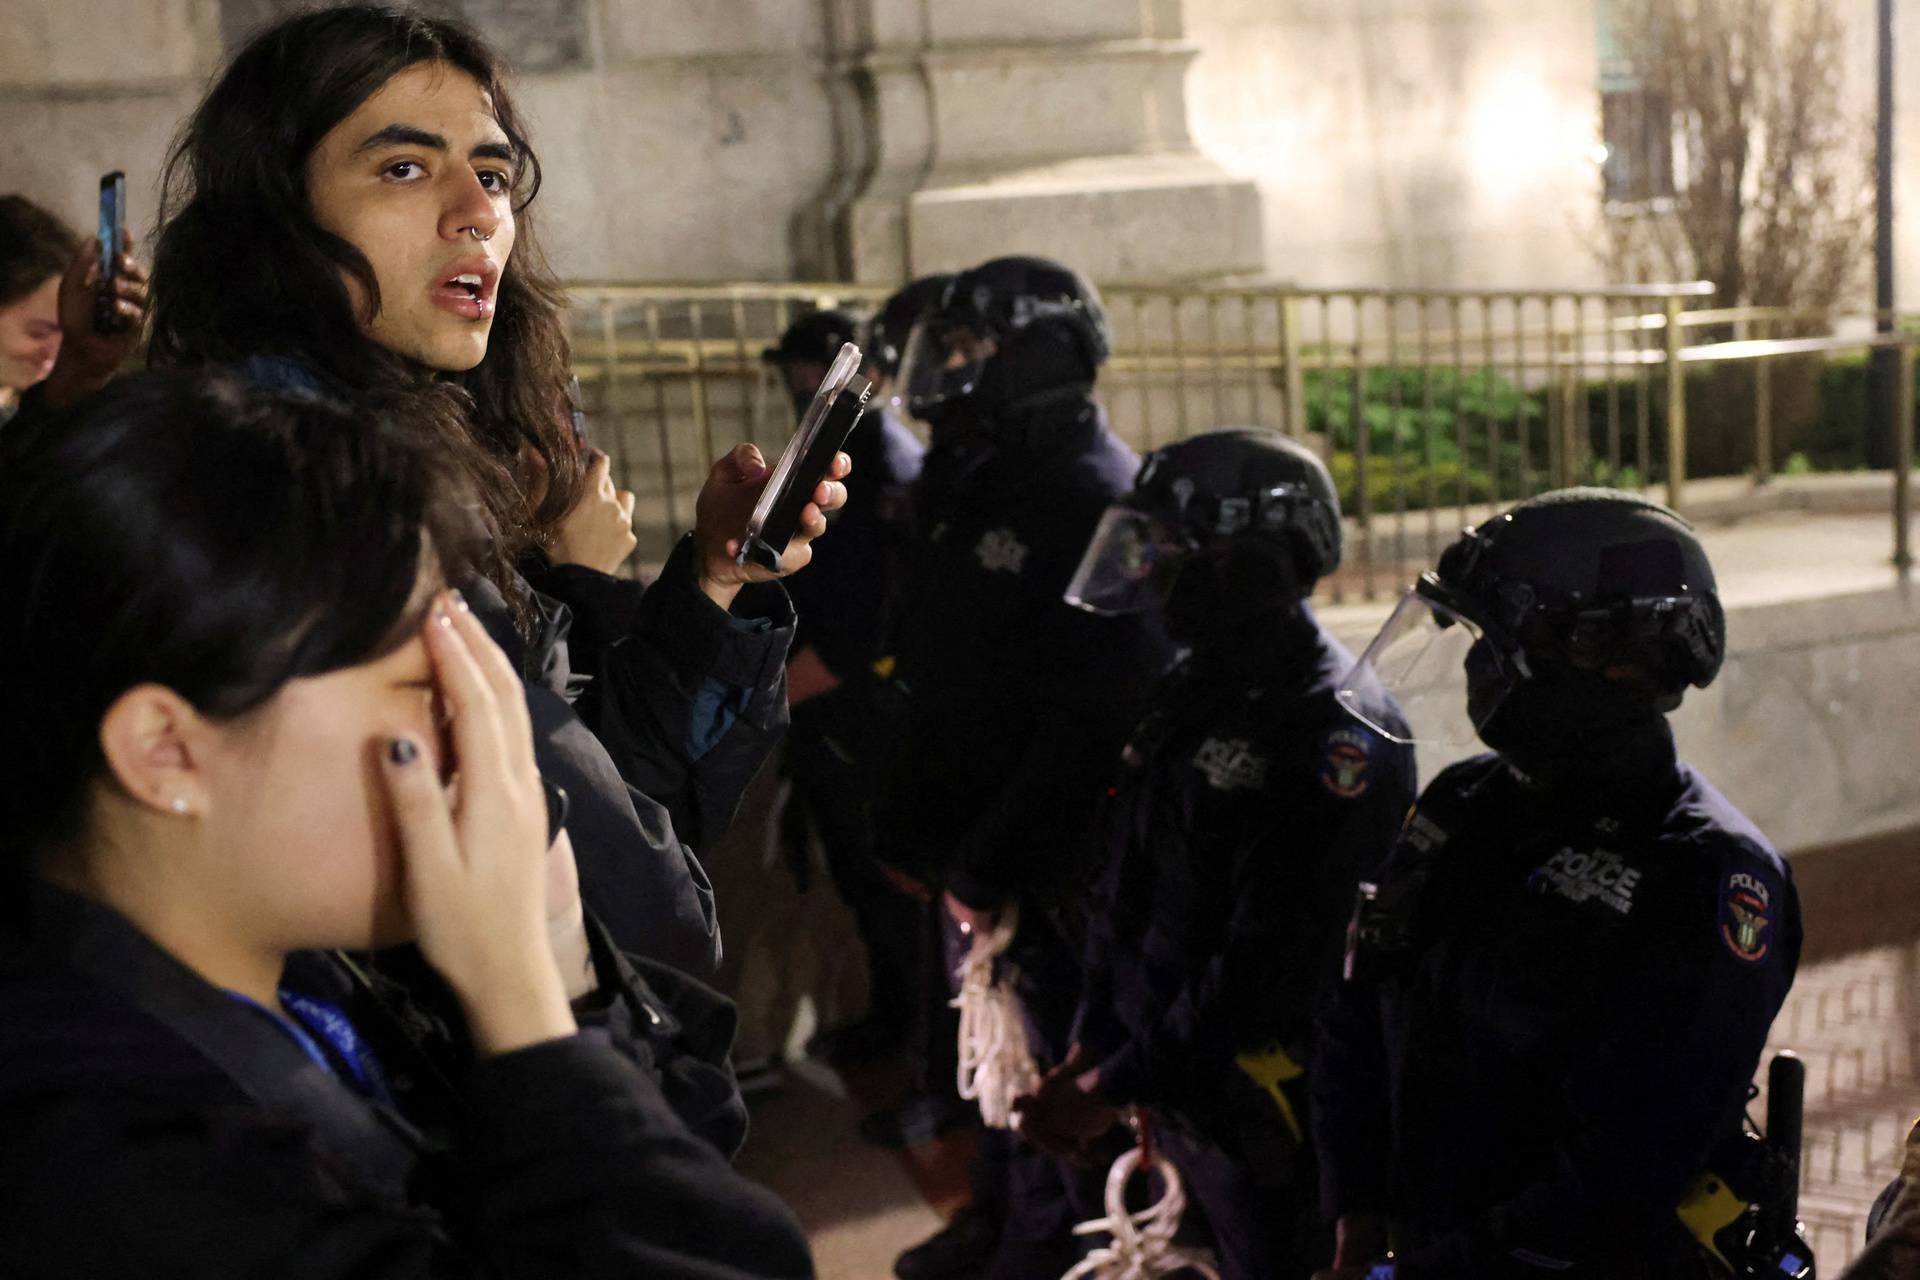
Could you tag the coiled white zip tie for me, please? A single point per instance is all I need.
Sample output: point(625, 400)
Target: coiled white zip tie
point(996, 1063)
point(1142, 1246)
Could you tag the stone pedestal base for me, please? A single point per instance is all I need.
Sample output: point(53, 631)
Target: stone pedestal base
point(1137, 219)
point(1075, 149)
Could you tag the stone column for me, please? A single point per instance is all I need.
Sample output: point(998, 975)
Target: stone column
point(1056, 128)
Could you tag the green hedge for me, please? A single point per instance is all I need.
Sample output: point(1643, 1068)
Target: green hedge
point(1819, 407)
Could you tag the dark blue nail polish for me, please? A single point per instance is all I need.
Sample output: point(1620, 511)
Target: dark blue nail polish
point(402, 751)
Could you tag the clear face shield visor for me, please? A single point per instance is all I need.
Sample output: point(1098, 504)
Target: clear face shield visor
point(1129, 565)
point(1445, 672)
point(942, 361)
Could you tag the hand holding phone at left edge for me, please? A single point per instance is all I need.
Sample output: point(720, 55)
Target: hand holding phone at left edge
point(726, 504)
point(88, 358)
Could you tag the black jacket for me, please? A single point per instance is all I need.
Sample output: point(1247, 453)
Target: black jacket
point(1249, 804)
point(654, 724)
point(1011, 705)
point(158, 1127)
point(1567, 998)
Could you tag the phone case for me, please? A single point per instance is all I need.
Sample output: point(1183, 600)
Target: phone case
point(764, 544)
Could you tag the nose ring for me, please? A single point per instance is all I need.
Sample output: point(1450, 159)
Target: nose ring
point(475, 233)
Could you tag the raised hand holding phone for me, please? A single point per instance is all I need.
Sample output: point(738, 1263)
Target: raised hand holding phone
point(746, 507)
point(103, 310)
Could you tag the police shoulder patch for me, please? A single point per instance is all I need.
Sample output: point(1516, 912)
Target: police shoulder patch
point(1747, 914)
point(1345, 762)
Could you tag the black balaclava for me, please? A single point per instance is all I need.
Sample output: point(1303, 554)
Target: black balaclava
point(1239, 599)
point(1036, 368)
point(1568, 728)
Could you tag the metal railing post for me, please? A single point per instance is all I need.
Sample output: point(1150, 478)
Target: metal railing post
point(1903, 458)
point(1676, 409)
point(1362, 446)
point(1293, 377)
point(1762, 421)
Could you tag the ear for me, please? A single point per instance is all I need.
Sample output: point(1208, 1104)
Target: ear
point(155, 748)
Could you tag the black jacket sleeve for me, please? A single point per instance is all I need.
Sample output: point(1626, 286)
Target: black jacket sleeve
point(574, 1166)
point(1077, 684)
point(688, 699)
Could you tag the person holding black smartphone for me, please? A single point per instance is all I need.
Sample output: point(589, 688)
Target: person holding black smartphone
point(400, 212)
point(53, 346)
point(383, 254)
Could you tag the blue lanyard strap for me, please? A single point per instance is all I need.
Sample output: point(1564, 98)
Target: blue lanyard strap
point(312, 1016)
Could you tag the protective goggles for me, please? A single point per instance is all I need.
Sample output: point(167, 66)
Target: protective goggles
point(1419, 663)
point(1130, 564)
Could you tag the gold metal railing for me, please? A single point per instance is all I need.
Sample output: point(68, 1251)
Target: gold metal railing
point(1432, 406)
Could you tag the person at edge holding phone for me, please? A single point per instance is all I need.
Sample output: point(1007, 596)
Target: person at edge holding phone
point(399, 212)
point(51, 342)
point(262, 728)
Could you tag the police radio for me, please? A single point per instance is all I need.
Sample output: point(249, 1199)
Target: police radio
point(1745, 1211)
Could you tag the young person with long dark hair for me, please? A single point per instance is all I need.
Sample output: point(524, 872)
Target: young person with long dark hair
point(349, 213)
point(257, 728)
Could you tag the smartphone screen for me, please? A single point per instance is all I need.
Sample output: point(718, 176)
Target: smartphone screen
point(113, 214)
point(577, 411)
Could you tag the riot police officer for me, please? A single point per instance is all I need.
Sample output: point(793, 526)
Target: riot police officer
point(839, 609)
point(1248, 806)
point(1558, 990)
point(1012, 704)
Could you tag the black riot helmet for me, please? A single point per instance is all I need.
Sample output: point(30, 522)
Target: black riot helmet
point(1218, 527)
point(1588, 598)
point(807, 349)
point(1005, 337)
point(815, 338)
point(892, 324)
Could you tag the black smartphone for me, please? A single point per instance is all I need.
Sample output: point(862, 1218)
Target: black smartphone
point(836, 407)
point(113, 219)
point(577, 407)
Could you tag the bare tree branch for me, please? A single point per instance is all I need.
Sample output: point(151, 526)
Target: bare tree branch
point(1774, 180)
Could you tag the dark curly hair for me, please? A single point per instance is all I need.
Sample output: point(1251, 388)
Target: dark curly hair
point(242, 270)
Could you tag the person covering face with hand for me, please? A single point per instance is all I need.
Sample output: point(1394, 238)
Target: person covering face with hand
point(286, 741)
